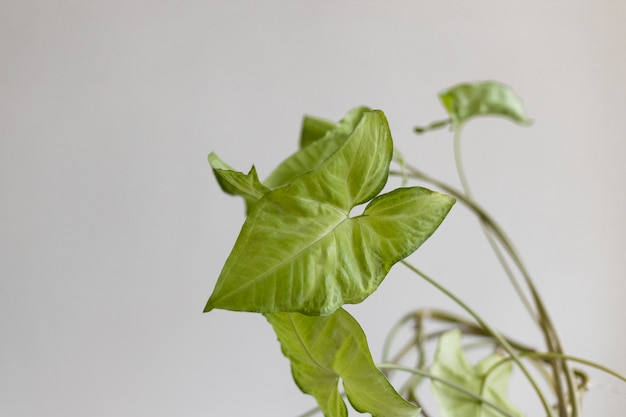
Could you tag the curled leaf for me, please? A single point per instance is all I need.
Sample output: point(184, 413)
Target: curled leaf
point(234, 182)
point(489, 98)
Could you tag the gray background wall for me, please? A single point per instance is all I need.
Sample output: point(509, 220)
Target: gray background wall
point(113, 230)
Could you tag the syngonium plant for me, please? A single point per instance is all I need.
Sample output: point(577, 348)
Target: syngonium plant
point(302, 253)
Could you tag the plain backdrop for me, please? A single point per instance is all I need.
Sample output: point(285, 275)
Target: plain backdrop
point(113, 230)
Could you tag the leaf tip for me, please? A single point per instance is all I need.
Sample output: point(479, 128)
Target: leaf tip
point(209, 306)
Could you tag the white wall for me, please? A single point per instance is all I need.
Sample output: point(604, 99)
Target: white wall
point(113, 230)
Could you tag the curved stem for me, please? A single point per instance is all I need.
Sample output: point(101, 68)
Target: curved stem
point(391, 335)
point(433, 126)
point(545, 322)
point(548, 355)
point(399, 159)
point(551, 337)
point(460, 168)
point(582, 377)
point(503, 342)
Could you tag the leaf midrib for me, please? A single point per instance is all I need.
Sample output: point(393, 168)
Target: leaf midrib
point(306, 348)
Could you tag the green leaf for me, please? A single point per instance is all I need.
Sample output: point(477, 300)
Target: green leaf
point(485, 380)
point(313, 153)
point(234, 182)
point(313, 129)
point(324, 349)
point(489, 98)
point(300, 251)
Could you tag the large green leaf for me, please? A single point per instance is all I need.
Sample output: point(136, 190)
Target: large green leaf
point(485, 380)
point(465, 101)
point(315, 151)
point(299, 249)
point(323, 350)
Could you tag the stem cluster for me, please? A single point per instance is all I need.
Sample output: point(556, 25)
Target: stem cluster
point(566, 383)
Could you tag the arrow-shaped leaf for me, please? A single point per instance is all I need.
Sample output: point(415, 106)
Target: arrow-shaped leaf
point(300, 251)
point(465, 101)
point(485, 380)
point(323, 350)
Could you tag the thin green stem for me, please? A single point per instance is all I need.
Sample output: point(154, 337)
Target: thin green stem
point(548, 355)
point(552, 340)
point(433, 126)
point(485, 218)
point(545, 322)
point(399, 159)
point(391, 336)
point(503, 342)
point(458, 159)
point(460, 168)
point(463, 324)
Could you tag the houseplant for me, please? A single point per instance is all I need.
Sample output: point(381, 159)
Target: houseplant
point(305, 250)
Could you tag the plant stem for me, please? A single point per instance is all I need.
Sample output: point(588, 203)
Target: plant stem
point(503, 342)
point(484, 217)
point(466, 326)
point(433, 126)
point(548, 355)
point(544, 322)
point(553, 343)
point(465, 186)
